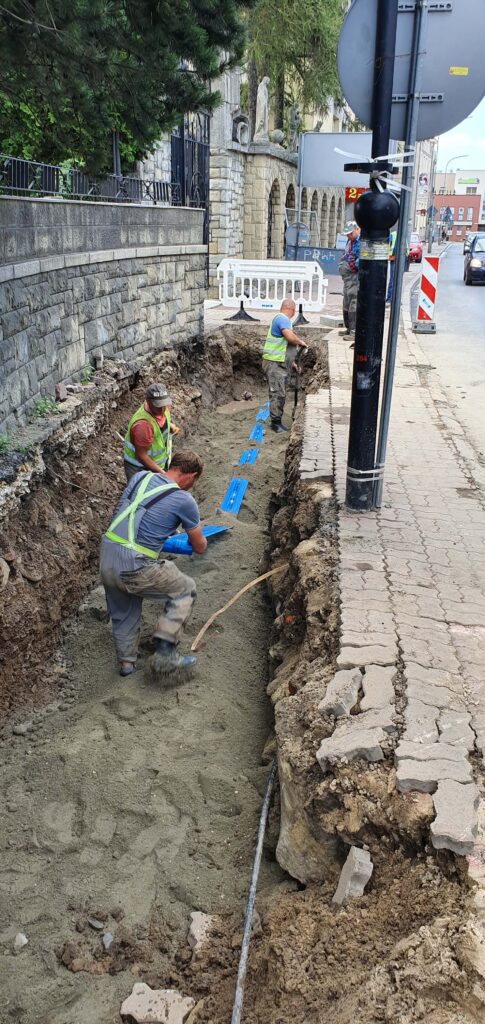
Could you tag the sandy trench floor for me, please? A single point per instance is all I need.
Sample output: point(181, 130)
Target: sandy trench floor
point(139, 805)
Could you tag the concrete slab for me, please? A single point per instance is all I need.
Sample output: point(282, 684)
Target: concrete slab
point(342, 693)
point(378, 687)
point(421, 722)
point(454, 728)
point(430, 752)
point(359, 657)
point(424, 776)
point(456, 824)
point(350, 745)
point(354, 876)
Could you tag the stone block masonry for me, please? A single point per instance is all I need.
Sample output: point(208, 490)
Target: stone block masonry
point(60, 311)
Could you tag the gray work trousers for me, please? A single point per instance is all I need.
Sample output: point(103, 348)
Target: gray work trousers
point(127, 578)
point(130, 470)
point(277, 376)
point(351, 290)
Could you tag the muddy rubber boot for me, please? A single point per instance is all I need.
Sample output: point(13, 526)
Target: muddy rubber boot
point(167, 660)
point(278, 427)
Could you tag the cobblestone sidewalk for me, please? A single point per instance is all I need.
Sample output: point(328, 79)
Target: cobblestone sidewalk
point(412, 585)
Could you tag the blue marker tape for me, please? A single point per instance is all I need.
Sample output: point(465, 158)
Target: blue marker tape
point(234, 495)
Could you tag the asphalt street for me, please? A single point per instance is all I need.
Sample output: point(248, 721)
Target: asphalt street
point(457, 351)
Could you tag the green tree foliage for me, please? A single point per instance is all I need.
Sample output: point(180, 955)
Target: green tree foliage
point(73, 70)
point(296, 42)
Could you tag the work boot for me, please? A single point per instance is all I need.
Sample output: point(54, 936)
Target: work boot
point(278, 427)
point(167, 659)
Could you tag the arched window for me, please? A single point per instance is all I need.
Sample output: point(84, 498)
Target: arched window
point(332, 224)
point(314, 225)
point(324, 222)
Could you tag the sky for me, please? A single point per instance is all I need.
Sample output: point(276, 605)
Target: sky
point(468, 137)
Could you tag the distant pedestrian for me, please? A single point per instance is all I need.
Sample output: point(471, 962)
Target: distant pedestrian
point(151, 508)
point(392, 265)
point(349, 272)
point(280, 340)
point(148, 439)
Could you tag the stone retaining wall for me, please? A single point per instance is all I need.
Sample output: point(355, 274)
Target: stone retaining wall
point(58, 311)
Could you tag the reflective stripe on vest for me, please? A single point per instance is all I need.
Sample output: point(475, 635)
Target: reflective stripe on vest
point(127, 516)
point(274, 348)
point(160, 449)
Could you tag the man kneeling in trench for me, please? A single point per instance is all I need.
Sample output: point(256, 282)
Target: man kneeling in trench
point(152, 506)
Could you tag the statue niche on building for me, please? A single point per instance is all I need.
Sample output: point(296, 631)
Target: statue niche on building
point(240, 127)
point(294, 122)
point(261, 133)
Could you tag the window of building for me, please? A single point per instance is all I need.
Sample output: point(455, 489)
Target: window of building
point(461, 212)
point(458, 231)
point(469, 213)
point(442, 192)
point(471, 192)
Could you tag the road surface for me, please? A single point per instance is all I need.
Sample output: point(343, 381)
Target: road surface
point(458, 348)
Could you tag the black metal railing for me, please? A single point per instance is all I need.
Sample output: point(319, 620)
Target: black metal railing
point(27, 178)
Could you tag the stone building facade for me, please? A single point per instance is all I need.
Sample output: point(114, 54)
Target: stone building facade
point(252, 186)
point(253, 191)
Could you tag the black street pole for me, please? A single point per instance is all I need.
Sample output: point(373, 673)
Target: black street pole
point(375, 213)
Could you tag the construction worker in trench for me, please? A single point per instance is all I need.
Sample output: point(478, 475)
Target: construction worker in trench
point(148, 439)
point(152, 507)
point(278, 352)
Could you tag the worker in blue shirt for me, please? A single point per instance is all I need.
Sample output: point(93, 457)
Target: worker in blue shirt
point(349, 272)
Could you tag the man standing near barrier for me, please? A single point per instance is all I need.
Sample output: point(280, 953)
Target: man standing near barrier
point(349, 272)
point(152, 507)
point(275, 364)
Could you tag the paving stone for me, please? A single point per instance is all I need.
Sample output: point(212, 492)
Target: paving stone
point(456, 824)
point(354, 876)
point(150, 1006)
point(342, 693)
point(199, 928)
point(420, 722)
point(436, 696)
point(378, 688)
point(354, 743)
point(382, 718)
point(355, 657)
point(430, 751)
point(454, 727)
point(425, 775)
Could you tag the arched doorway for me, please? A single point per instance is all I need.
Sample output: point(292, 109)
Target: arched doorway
point(340, 215)
point(332, 224)
point(275, 223)
point(324, 222)
point(314, 225)
point(304, 199)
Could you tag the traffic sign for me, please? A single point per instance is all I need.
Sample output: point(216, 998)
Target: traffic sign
point(452, 82)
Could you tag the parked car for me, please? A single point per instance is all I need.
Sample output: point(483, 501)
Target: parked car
point(475, 260)
point(415, 249)
point(467, 242)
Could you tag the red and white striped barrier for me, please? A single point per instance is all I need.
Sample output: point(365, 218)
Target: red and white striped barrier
point(424, 322)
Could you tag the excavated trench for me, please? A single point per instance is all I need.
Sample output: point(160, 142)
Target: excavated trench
point(133, 806)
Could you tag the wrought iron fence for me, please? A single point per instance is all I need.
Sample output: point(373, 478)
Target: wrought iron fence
point(27, 178)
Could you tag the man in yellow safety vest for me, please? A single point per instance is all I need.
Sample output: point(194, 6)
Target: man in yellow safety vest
point(148, 439)
point(278, 352)
point(151, 508)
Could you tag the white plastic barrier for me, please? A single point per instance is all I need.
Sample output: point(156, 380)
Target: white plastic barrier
point(263, 284)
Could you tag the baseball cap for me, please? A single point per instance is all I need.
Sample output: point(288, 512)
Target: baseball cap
point(158, 395)
point(350, 226)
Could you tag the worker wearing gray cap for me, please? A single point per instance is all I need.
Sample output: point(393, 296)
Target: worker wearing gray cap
point(148, 439)
point(349, 272)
